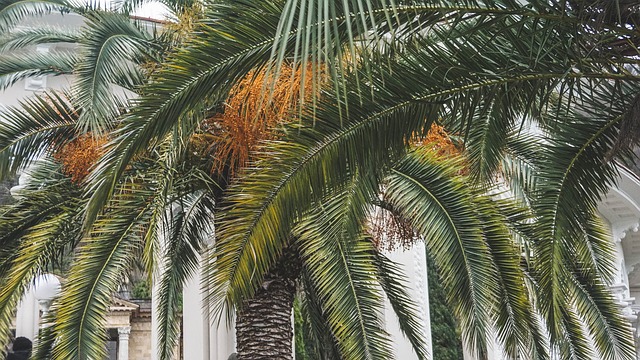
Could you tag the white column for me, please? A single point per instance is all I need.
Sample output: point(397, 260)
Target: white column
point(27, 317)
point(123, 342)
point(195, 319)
point(225, 339)
point(414, 263)
point(155, 306)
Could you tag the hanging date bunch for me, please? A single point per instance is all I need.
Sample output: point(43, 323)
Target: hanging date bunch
point(257, 106)
point(388, 229)
point(80, 155)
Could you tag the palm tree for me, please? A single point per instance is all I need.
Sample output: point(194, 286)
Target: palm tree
point(64, 131)
point(483, 70)
point(171, 187)
point(479, 70)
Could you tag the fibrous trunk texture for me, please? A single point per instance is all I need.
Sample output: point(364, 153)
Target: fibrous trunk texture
point(263, 326)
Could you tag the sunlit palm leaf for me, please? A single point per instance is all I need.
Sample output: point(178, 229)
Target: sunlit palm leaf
point(97, 270)
point(12, 12)
point(393, 282)
point(35, 234)
point(574, 175)
point(323, 345)
point(425, 195)
point(186, 82)
point(340, 262)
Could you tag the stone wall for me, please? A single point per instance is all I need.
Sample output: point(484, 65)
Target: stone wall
point(140, 339)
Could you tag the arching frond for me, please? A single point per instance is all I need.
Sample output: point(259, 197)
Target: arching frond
point(188, 228)
point(574, 174)
point(424, 195)
point(18, 66)
point(185, 84)
point(340, 263)
point(12, 12)
point(517, 322)
point(112, 50)
point(22, 38)
point(393, 282)
point(35, 233)
point(96, 272)
point(315, 327)
point(40, 125)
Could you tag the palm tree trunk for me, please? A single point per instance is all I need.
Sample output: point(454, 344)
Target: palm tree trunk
point(264, 329)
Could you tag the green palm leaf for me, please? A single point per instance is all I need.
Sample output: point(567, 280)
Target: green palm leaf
point(393, 282)
point(341, 265)
point(438, 207)
point(22, 38)
point(35, 234)
point(15, 67)
point(97, 270)
point(323, 345)
point(41, 125)
point(185, 85)
point(517, 325)
point(565, 202)
point(188, 230)
point(12, 12)
point(112, 50)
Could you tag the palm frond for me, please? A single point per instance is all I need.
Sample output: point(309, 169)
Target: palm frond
point(517, 324)
point(575, 342)
point(18, 66)
point(341, 265)
point(574, 175)
point(12, 12)
point(185, 83)
point(96, 272)
point(610, 332)
point(21, 38)
point(36, 127)
point(323, 345)
point(112, 50)
point(46, 338)
point(427, 194)
point(189, 226)
point(35, 235)
point(193, 73)
point(387, 120)
point(393, 282)
point(518, 167)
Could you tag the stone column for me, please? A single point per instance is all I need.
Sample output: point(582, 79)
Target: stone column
point(123, 342)
point(27, 317)
point(225, 338)
point(414, 263)
point(195, 320)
